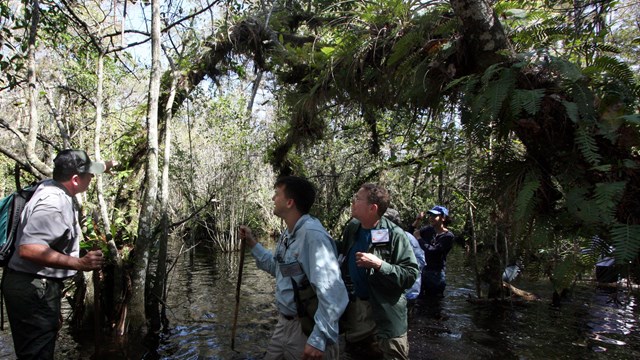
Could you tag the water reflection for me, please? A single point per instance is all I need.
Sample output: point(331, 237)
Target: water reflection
point(201, 305)
point(592, 324)
point(588, 325)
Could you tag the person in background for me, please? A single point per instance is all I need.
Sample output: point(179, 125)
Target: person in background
point(305, 256)
point(436, 241)
point(47, 253)
point(413, 293)
point(379, 266)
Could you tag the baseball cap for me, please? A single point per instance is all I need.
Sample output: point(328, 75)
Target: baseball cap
point(71, 162)
point(439, 210)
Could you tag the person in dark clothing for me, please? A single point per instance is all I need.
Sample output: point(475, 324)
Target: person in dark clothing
point(436, 241)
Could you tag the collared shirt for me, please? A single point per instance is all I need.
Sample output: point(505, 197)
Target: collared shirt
point(309, 246)
point(49, 218)
point(387, 286)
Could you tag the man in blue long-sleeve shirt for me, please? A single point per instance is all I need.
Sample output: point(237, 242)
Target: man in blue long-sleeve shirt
point(305, 256)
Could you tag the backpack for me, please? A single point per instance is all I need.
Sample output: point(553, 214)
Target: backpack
point(10, 211)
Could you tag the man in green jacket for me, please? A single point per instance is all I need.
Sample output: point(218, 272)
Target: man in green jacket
point(379, 265)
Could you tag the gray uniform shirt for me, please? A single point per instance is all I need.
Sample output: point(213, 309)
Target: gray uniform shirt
point(50, 218)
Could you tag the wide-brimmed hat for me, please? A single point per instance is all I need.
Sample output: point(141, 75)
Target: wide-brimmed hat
point(71, 162)
point(439, 210)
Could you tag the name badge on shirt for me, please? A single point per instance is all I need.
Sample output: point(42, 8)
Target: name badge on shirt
point(291, 269)
point(379, 236)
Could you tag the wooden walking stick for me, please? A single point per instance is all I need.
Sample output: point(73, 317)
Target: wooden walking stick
point(239, 282)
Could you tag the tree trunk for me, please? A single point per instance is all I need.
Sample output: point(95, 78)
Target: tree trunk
point(160, 285)
point(31, 155)
point(471, 228)
point(483, 34)
point(96, 148)
point(144, 240)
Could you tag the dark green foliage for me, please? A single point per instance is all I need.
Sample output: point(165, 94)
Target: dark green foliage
point(527, 101)
point(626, 240)
point(526, 200)
point(376, 91)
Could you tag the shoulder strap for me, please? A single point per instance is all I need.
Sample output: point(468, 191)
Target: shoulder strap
point(2, 300)
point(17, 204)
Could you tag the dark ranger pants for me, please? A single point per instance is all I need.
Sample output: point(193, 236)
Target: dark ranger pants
point(33, 308)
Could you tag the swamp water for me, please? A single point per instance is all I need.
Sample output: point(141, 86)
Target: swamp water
point(592, 324)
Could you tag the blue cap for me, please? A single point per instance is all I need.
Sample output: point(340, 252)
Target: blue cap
point(439, 210)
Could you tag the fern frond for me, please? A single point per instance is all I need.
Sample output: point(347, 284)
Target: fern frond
point(541, 236)
point(448, 27)
point(496, 92)
point(527, 100)
point(607, 196)
point(469, 82)
point(540, 34)
point(594, 250)
point(565, 69)
point(565, 273)
point(604, 48)
point(613, 66)
point(404, 47)
point(490, 72)
point(626, 240)
point(632, 119)
point(580, 207)
point(526, 200)
point(587, 145)
point(572, 111)
point(584, 100)
point(602, 168)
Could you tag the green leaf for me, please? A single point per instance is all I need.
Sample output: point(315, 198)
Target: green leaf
point(626, 240)
point(328, 50)
point(588, 146)
point(404, 47)
point(607, 196)
point(631, 119)
point(527, 100)
point(572, 111)
point(496, 92)
point(526, 200)
point(580, 207)
point(611, 65)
